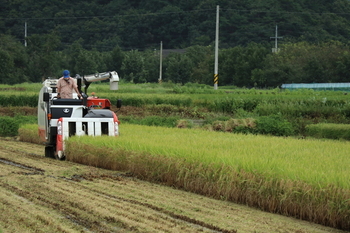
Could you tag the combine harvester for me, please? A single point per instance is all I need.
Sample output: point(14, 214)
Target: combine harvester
point(58, 119)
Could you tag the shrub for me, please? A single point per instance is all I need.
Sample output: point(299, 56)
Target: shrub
point(8, 126)
point(274, 125)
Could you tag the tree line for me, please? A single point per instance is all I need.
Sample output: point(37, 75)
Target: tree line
point(101, 35)
point(252, 65)
point(140, 25)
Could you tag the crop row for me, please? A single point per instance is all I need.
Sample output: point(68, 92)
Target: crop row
point(221, 102)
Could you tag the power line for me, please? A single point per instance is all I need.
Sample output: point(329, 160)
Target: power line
point(288, 12)
point(173, 12)
point(91, 17)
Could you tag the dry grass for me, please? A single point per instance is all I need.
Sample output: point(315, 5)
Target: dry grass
point(231, 124)
point(29, 133)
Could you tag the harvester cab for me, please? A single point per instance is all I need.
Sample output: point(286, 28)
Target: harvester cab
point(59, 119)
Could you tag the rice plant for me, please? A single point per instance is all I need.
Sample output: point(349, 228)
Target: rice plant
point(308, 179)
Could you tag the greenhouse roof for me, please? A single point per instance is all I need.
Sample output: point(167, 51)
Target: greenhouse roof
point(327, 86)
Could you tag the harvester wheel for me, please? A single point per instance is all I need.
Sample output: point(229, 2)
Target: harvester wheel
point(60, 155)
point(49, 152)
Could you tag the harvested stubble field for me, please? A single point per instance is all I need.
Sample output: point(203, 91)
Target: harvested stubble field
point(38, 194)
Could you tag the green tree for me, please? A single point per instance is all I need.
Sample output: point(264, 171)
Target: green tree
point(133, 67)
point(342, 66)
point(114, 60)
point(70, 56)
point(6, 68)
point(151, 65)
point(170, 26)
point(202, 61)
point(43, 60)
point(178, 68)
point(13, 61)
point(86, 63)
point(103, 24)
point(236, 64)
point(304, 63)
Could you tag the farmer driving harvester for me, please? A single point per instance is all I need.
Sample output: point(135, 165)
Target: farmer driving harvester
point(66, 85)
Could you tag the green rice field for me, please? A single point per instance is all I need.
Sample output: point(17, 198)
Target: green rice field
point(320, 163)
point(308, 179)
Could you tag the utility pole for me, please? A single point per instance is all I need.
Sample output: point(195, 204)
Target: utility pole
point(216, 68)
point(276, 50)
point(25, 34)
point(160, 62)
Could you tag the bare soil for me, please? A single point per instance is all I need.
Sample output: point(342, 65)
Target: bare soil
point(39, 194)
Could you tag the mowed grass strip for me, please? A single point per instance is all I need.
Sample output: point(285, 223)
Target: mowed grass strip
point(307, 179)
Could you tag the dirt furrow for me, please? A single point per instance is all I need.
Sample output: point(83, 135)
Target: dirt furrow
point(12, 163)
point(22, 216)
point(77, 203)
point(138, 208)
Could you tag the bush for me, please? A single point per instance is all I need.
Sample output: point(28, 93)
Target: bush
point(274, 125)
point(8, 126)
